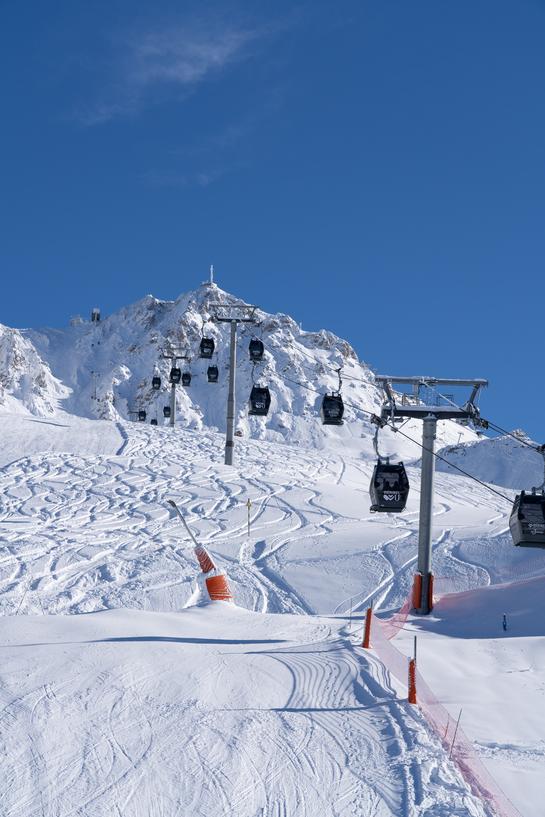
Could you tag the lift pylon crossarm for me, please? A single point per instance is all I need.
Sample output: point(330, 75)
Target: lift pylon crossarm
point(226, 313)
point(421, 411)
point(174, 355)
point(424, 380)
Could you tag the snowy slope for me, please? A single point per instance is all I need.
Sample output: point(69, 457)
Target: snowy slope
point(210, 711)
point(25, 436)
point(502, 460)
point(107, 538)
point(86, 531)
point(495, 676)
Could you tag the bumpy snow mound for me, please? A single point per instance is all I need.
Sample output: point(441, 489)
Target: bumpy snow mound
point(26, 382)
point(503, 461)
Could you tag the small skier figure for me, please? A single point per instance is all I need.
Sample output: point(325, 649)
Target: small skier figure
point(504, 622)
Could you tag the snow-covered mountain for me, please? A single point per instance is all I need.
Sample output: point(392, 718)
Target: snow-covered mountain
point(104, 369)
point(26, 382)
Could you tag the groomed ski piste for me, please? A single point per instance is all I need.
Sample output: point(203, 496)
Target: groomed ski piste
point(124, 691)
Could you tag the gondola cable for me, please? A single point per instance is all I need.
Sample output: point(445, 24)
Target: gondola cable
point(411, 439)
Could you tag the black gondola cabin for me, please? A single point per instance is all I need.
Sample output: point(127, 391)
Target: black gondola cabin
point(207, 348)
point(260, 401)
point(527, 520)
point(256, 350)
point(142, 416)
point(213, 374)
point(153, 422)
point(389, 487)
point(166, 411)
point(156, 382)
point(186, 379)
point(175, 375)
point(332, 410)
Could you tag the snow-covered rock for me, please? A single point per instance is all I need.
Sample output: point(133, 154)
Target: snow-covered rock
point(26, 382)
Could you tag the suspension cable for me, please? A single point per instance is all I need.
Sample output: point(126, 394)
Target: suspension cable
point(411, 439)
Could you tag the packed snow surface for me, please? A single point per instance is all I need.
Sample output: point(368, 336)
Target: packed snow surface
point(212, 710)
point(495, 676)
point(157, 704)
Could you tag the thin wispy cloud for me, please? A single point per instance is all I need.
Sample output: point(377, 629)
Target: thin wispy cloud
point(216, 154)
point(197, 178)
point(146, 67)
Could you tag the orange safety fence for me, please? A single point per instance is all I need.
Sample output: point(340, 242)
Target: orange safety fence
point(462, 752)
point(391, 626)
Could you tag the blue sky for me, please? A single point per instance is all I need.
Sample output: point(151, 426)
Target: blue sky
point(375, 168)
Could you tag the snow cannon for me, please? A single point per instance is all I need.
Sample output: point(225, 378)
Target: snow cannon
point(217, 583)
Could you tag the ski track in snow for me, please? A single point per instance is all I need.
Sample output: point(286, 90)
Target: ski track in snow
point(340, 743)
point(82, 533)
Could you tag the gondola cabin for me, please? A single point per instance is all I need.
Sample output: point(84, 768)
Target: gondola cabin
point(527, 520)
point(166, 411)
point(186, 379)
point(142, 416)
point(389, 487)
point(212, 374)
point(332, 410)
point(156, 382)
point(175, 375)
point(153, 422)
point(260, 401)
point(256, 350)
point(206, 348)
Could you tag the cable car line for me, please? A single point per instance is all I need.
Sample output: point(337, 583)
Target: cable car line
point(208, 346)
point(411, 439)
point(452, 465)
